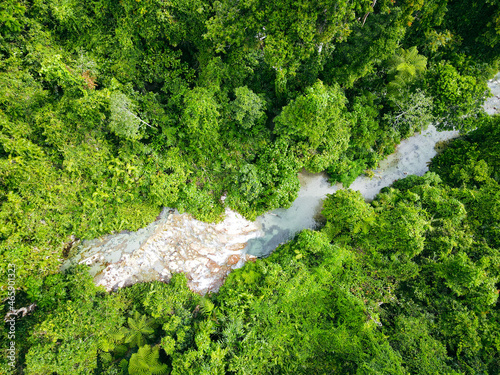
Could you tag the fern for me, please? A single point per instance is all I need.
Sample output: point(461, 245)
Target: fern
point(207, 306)
point(407, 63)
point(146, 362)
point(140, 328)
point(114, 337)
point(404, 67)
point(120, 350)
point(123, 365)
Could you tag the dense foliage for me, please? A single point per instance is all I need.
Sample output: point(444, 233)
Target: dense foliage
point(111, 110)
point(405, 284)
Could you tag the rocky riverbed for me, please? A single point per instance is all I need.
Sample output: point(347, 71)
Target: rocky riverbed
point(206, 253)
point(175, 242)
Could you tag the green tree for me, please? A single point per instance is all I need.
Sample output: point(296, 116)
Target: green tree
point(457, 98)
point(286, 305)
point(403, 68)
point(412, 113)
point(247, 108)
point(422, 353)
point(369, 44)
point(315, 121)
point(71, 333)
point(288, 32)
point(473, 160)
point(123, 121)
point(365, 142)
point(346, 213)
point(200, 119)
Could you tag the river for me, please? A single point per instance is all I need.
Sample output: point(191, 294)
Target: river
point(411, 157)
point(206, 252)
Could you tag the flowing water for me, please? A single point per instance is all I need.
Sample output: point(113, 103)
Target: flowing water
point(411, 157)
point(206, 253)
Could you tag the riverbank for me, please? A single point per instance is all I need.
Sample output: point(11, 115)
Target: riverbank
point(206, 253)
point(411, 157)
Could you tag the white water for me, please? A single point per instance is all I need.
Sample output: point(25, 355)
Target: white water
point(411, 157)
point(492, 104)
point(206, 253)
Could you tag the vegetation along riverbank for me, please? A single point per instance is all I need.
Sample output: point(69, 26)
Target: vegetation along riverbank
point(110, 111)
